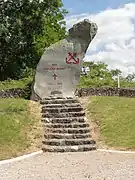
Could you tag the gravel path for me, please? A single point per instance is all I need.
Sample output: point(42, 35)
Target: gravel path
point(72, 166)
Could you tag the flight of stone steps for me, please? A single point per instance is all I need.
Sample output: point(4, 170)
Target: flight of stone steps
point(65, 127)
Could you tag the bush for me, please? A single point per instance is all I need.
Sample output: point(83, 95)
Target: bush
point(27, 90)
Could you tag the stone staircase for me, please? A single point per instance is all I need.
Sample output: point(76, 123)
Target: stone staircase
point(65, 127)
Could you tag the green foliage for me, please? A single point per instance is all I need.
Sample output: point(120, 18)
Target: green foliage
point(100, 76)
point(130, 77)
point(28, 73)
point(26, 28)
point(9, 84)
point(25, 83)
point(27, 89)
point(115, 72)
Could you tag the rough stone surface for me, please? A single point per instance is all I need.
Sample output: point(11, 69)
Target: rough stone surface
point(58, 71)
point(12, 93)
point(92, 165)
point(107, 91)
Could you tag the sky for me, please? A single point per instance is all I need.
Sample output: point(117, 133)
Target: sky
point(114, 43)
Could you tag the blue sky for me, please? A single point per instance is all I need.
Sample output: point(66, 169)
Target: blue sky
point(93, 6)
point(114, 43)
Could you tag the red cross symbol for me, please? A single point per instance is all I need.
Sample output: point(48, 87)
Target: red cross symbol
point(71, 59)
point(54, 76)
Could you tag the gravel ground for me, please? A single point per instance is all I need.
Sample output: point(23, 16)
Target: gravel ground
point(72, 166)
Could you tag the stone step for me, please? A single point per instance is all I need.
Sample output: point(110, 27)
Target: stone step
point(61, 105)
point(68, 142)
point(68, 130)
point(62, 115)
point(52, 98)
point(61, 149)
point(64, 120)
point(67, 125)
point(66, 136)
point(59, 101)
point(61, 110)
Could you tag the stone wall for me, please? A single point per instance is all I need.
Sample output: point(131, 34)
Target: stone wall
point(12, 93)
point(127, 92)
point(108, 91)
point(18, 92)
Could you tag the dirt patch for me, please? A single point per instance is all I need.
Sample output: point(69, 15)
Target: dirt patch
point(36, 130)
point(93, 125)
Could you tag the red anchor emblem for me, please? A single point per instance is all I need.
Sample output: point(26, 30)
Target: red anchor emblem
point(71, 58)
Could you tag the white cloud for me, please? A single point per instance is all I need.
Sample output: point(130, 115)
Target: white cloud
point(116, 37)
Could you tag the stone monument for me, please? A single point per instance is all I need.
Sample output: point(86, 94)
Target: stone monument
point(58, 71)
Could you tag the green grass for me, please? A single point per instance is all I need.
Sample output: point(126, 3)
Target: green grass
point(9, 84)
point(14, 127)
point(116, 119)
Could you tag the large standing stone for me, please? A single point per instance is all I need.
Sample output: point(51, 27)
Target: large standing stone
point(58, 71)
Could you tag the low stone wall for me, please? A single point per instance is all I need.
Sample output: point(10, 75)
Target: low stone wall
point(108, 91)
point(127, 92)
point(97, 92)
point(12, 93)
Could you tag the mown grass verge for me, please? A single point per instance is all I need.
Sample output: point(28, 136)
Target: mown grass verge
point(9, 84)
point(116, 119)
point(16, 126)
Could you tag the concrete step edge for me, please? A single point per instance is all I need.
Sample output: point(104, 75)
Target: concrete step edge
point(78, 148)
point(67, 136)
point(63, 105)
point(66, 125)
point(70, 140)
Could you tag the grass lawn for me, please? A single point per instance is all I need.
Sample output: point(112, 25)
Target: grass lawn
point(116, 119)
point(9, 84)
point(16, 126)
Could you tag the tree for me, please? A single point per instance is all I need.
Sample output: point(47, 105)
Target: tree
point(115, 72)
point(97, 70)
point(98, 75)
point(130, 77)
point(26, 28)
